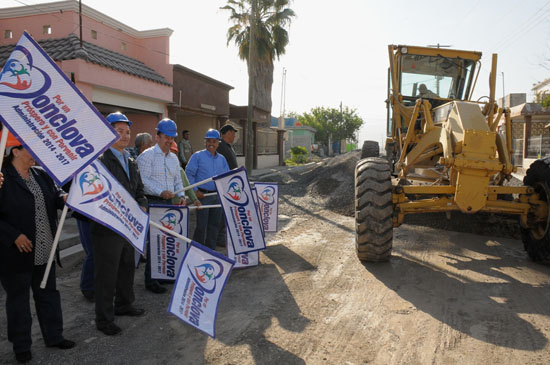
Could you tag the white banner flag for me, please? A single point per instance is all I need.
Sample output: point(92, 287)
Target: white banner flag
point(241, 215)
point(244, 259)
point(167, 251)
point(268, 195)
point(98, 195)
point(199, 285)
point(62, 130)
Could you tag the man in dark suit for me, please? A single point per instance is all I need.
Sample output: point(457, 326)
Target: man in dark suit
point(114, 265)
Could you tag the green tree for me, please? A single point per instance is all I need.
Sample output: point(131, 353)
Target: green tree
point(272, 16)
point(543, 99)
point(342, 124)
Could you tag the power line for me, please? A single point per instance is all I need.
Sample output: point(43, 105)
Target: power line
point(527, 25)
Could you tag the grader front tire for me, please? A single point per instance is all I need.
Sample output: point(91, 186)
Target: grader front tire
point(536, 239)
point(373, 210)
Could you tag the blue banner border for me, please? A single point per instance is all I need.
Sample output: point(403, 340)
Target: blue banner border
point(217, 255)
point(278, 193)
point(90, 105)
point(107, 225)
point(231, 172)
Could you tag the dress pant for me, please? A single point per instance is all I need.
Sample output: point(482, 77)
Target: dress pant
point(47, 302)
point(114, 267)
point(208, 222)
point(87, 273)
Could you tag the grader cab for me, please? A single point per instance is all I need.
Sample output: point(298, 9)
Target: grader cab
point(444, 152)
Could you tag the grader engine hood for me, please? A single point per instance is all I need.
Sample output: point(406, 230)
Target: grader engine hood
point(474, 154)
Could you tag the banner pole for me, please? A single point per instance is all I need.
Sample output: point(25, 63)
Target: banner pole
point(193, 186)
point(205, 206)
point(54, 246)
point(3, 144)
point(170, 232)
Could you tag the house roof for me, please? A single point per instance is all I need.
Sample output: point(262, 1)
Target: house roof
point(302, 127)
point(541, 84)
point(202, 76)
point(68, 48)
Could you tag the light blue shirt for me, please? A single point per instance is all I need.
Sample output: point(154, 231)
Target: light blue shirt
point(159, 171)
point(122, 157)
point(202, 165)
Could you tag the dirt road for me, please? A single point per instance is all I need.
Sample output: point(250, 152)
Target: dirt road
point(444, 298)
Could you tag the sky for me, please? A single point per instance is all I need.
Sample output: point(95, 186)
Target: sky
point(338, 49)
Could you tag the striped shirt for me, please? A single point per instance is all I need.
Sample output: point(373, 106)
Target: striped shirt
point(159, 171)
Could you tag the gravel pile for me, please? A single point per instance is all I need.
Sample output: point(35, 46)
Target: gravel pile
point(329, 185)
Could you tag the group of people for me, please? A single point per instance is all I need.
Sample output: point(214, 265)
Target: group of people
point(151, 173)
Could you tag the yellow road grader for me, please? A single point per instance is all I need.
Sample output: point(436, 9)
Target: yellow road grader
point(444, 152)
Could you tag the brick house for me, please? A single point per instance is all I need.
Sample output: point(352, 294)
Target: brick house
point(116, 67)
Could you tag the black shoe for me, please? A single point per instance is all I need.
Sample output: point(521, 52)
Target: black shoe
point(23, 357)
point(110, 329)
point(132, 312)
point(155, 288)
point(89, 295)
point(64, 345)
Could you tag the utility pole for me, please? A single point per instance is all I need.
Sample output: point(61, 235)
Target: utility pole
point(503, 93)
point(249, 158)
point(283, 96)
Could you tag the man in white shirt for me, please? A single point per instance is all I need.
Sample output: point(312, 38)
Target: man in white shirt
point(160, 173)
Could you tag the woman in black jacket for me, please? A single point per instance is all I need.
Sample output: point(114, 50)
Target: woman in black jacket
point(29, 200)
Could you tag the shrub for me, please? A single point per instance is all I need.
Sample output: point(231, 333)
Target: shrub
point(298, 154)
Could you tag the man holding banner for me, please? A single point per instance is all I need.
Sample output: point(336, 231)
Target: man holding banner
point(113, 255)
point(160, 172)
point(203, 165)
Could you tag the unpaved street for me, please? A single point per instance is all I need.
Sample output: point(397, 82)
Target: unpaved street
point(444, 298)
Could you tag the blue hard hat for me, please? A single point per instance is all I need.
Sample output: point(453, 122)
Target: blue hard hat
point(212, 133)
point(118, 117)
point(168, 127)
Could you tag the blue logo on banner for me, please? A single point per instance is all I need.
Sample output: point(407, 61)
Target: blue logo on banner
point(22, 78)
point(94, 184)
point(236, 193)
point(268, 195)
point(205, 275)
point(171, 219)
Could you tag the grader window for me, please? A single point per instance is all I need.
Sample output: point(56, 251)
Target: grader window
point(435, 76)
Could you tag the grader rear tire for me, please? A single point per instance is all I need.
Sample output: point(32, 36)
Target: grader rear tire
point(373, 210)
point(536, 239)
point(370, 149)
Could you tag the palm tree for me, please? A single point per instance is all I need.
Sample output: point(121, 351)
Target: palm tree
point(272, 16)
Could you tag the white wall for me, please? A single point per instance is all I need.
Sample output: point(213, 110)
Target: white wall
point(264, 161)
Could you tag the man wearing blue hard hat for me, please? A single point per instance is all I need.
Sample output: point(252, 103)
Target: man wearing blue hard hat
point(202, 165)
point(160, 172)
point(114, 256)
